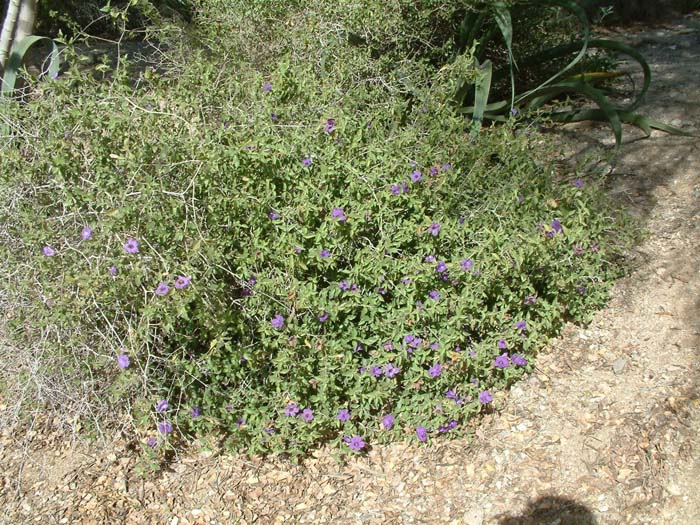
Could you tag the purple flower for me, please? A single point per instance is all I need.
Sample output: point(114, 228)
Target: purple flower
point(330, 125)
point(274, 117)
point(324, 253)
point(343, 415)
point(388, 421)
point(556, 226)
point(277, 321)
point(395, 189)
point(388, 346)
point(307, 415)
point(530, 300)
point(390, 370)
point(435, 370)
point(434, 295)
point(422, 434)
point(86, 233)
point(441, 267)
point(406, 281)
point(344, 285)
point(269, 431)
point(112, 270)
point(355, 442)
point(581, 290)
point(518, 360)
point(291, 410)
point(358, 348)
point(434, 229)
point(131, 246)
point(151, 442)
point(467, 264)
point(434, 170)
point(409, 338)
point(405, 188)
point(376, 371)
point(434, 346)
point(521, 325)
point(162, 289)
point(195, 412)
point(339, 214)
point(416, 176)
point(502, 344)
point(306, 162)
point(267, 87)
point(451, 394)
point(182, 282)
point(240, 422)
point(513, 111)
point(595, 248)
point(429, 258)
point(502, 361)
point(446, 428)
point(323, 318)
point(123, 361)
point(446, 167)
point(273, 215)
point(48, 251)
point(298, 249)
point(485, 397)
point(162, 406)
point(578, 183)
point(165, 427)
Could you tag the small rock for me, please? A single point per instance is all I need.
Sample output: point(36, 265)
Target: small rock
point(619, 365)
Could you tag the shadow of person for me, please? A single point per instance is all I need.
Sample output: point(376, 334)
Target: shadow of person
point(551, 510)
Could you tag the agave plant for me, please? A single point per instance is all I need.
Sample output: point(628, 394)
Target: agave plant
point(479, 29)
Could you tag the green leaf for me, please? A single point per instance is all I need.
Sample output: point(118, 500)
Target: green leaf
point(14, 62)
point(481, 95)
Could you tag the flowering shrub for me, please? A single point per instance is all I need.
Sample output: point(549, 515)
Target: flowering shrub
point(289, 259)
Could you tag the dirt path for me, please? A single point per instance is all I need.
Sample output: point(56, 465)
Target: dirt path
point(604, 431)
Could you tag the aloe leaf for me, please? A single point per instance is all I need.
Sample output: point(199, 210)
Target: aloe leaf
point(642, 122)
point(481, 93)
point(505, 24)
point(14, 62)
point(573, 8)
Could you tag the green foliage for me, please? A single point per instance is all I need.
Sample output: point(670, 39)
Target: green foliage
point(242, 189)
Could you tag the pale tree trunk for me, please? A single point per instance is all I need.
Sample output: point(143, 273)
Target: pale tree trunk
point(25, 20)
point(8, 30)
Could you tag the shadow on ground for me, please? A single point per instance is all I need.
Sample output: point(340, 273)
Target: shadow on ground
point(552, 509)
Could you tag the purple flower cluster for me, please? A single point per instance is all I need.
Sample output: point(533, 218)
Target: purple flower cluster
point(435, 370)
point(434, 229)
point(131, 246)
point(391, 371)
point(422, 434)
point(398, 189)
point(343, 415)
point(518, 360)
point(277, 321)
point(412, 342)
point(354, 442)
point(123, 361)
point(502, 361)
point(330, 125)
point(446, 428)
point(388, 422)
point(339, 215)
point(485, 397)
